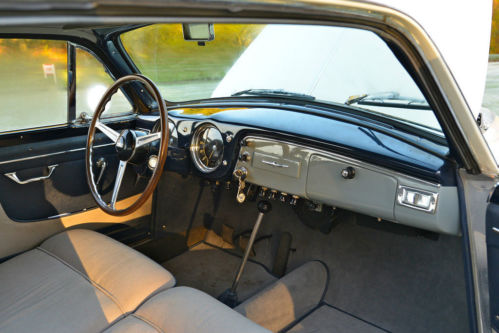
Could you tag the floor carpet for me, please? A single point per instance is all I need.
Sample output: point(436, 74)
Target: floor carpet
point(212, 270)
point(327, 319)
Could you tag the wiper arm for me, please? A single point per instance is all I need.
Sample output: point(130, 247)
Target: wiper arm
point(274, 92)
point(389, 99)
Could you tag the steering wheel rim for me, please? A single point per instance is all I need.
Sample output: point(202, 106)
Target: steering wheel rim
point(120, 142)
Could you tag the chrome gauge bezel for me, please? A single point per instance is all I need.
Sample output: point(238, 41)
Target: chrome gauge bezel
point(194, 149)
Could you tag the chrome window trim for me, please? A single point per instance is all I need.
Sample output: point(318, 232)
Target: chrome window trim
point(52, 154)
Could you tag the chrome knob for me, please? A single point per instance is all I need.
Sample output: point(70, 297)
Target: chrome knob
point(152, 162)
point(241, 173)
point(245, 157)
point(348, 173)
point(273, 194)
point(294, 200)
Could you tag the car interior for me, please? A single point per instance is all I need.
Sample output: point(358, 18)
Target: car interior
point(183, 184)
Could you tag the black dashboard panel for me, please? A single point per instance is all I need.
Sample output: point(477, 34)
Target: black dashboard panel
point(316, 131)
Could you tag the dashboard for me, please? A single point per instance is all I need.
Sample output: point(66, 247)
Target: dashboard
point(290, 167)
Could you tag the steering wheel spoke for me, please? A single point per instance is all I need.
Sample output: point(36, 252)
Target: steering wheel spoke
point(117, 183)
point(108, 131)
point(146, 139)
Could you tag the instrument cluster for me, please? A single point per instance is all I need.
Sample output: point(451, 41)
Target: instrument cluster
point(207, 148)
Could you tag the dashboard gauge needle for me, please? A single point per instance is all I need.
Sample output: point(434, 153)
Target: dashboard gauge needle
point(212, 151)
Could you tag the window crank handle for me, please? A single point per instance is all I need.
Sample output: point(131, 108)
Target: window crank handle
point(101, 164)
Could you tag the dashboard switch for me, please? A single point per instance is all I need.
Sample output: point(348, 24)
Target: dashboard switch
point(245, 157)
point(294, 200)
point(348, 173)
point(283, 197)
point(263, 192)
point(273, 194)
point(241, 174)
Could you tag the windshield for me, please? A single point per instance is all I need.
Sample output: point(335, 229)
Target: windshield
point(316, 63)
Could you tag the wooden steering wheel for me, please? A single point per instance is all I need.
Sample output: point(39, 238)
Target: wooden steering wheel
point(129, 144)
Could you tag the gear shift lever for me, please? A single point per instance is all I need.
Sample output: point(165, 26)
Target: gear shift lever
point(229, 297)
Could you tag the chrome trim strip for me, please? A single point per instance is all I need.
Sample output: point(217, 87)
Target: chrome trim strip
point(496, 230)
point(51, 154)
point(275, 164)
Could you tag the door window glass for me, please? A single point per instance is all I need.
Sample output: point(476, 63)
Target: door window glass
point(33, 84)
point(92, 81)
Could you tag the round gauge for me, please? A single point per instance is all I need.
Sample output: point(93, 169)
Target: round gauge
point(207, 148)
point(172, 131)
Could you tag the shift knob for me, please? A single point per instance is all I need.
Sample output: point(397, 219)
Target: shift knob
point(264, 206)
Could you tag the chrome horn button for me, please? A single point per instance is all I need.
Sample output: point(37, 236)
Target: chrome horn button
point(125, 145)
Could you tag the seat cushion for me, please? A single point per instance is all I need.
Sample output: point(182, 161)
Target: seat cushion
point(185, 310)
point(76, 281)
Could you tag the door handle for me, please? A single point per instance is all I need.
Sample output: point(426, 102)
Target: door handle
point(13, 176)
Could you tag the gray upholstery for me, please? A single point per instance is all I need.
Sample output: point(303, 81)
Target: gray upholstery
point(76, 281)
point(82, 281)
point(289, 298)
point(185, 310)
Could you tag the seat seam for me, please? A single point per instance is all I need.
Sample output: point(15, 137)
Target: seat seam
point(111, 324)
point(147, 321)
point(86, 277)
point(154, 293)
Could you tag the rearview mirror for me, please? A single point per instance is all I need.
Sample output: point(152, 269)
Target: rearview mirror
point(198, 32)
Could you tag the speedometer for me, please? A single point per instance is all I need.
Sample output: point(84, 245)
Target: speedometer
point(207, 148)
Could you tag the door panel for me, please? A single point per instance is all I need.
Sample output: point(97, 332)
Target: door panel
point(66, 191)
point(492, 225)
point(25, 208)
